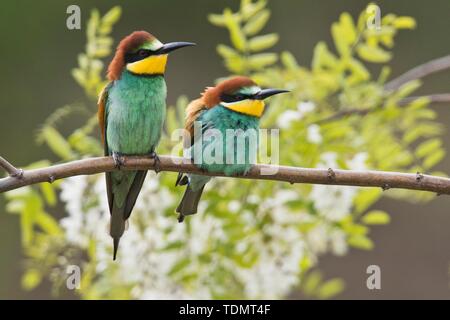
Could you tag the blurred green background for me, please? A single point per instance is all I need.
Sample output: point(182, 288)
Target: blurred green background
point(38, 52)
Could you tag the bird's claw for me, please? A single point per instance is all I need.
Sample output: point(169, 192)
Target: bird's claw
point(181, 218)
point(118, 160)
point(157, 163)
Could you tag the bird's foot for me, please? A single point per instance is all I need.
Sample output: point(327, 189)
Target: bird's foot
point(157, 164)
point(118, 160)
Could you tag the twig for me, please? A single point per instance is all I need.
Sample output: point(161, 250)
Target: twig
point(419, 72)
point(12, 171)
point(433, 98)
point(330, 176)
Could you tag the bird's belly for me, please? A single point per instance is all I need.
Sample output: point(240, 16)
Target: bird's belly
point(230, 155)
point(135, 122)
point(136, 134)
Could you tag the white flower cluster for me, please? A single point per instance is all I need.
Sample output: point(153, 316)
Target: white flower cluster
point(333, 203)
point(285, 118)
point(145, 265)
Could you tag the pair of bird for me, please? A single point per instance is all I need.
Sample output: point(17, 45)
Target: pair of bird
point(131, 112)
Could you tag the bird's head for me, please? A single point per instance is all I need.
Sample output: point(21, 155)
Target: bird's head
point(142, 54)
point(239, 94)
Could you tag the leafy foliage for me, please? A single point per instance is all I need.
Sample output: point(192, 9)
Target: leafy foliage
point(250, 239)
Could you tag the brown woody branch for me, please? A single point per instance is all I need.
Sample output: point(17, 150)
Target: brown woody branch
point(12, 171)
point(421, 71)
point(330, 176)
point(433, 98)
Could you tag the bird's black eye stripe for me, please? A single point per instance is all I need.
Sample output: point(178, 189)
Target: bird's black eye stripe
point(233, 97)
point(138, 55)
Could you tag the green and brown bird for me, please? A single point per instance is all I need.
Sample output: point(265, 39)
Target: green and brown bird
point(235, 104)
point(131, 113)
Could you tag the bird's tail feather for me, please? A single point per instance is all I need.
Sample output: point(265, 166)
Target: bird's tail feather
point(117, 227)
point(189, 202)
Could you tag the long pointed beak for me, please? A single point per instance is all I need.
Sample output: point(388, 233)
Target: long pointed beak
point(171, 46)
point(265, 93)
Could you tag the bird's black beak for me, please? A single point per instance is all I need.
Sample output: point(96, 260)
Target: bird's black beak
point(265, 93)
point(171, 46)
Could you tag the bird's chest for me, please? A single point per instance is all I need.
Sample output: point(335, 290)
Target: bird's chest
point(231, 144)
point(135, 115)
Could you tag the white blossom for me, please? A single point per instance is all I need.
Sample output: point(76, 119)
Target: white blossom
point(313, 134)
point(285, 119)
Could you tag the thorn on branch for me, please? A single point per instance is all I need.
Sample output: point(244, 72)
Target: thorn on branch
point(419, 177)
point(385, 187)
point(331, 174)
point(51, 179)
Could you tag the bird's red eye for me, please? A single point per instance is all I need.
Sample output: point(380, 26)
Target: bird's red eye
point(142, 53)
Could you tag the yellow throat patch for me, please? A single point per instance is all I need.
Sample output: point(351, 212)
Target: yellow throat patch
point(149, 65)
point(253, 108)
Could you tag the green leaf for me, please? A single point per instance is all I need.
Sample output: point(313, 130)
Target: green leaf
point(373, 54)
point(260, 43)
point(323, 57)
point(262, 60)
point(289, 61)
point(92, 24)
point(112, 16)
point(179, 266)
point(433, 159)
point(366, 198)
point(217, 19)
point(311, 283)
point(348, 28)
point(256, 23)
point(48, 223)
point(31, 279)
point(330, 288)
point(339, 39)
point(384, 74)
point(248, 8)
point(79, 76)
point(428, 147)
point(48, 192)
point(226, 52)
point(236, 35)
point(422, 130)
point(360, 242)
point(408, 88)
point(359, 71)
point(376, 217)
point(26, 227)
point(57, 143)
point(404, 23)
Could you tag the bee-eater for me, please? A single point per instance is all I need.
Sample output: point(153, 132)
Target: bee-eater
point(235, 104)
point(131, 113)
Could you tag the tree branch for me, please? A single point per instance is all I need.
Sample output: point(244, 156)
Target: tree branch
point(433, 98)
point(292, 175)
point(419, 72)
point(12, 171)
